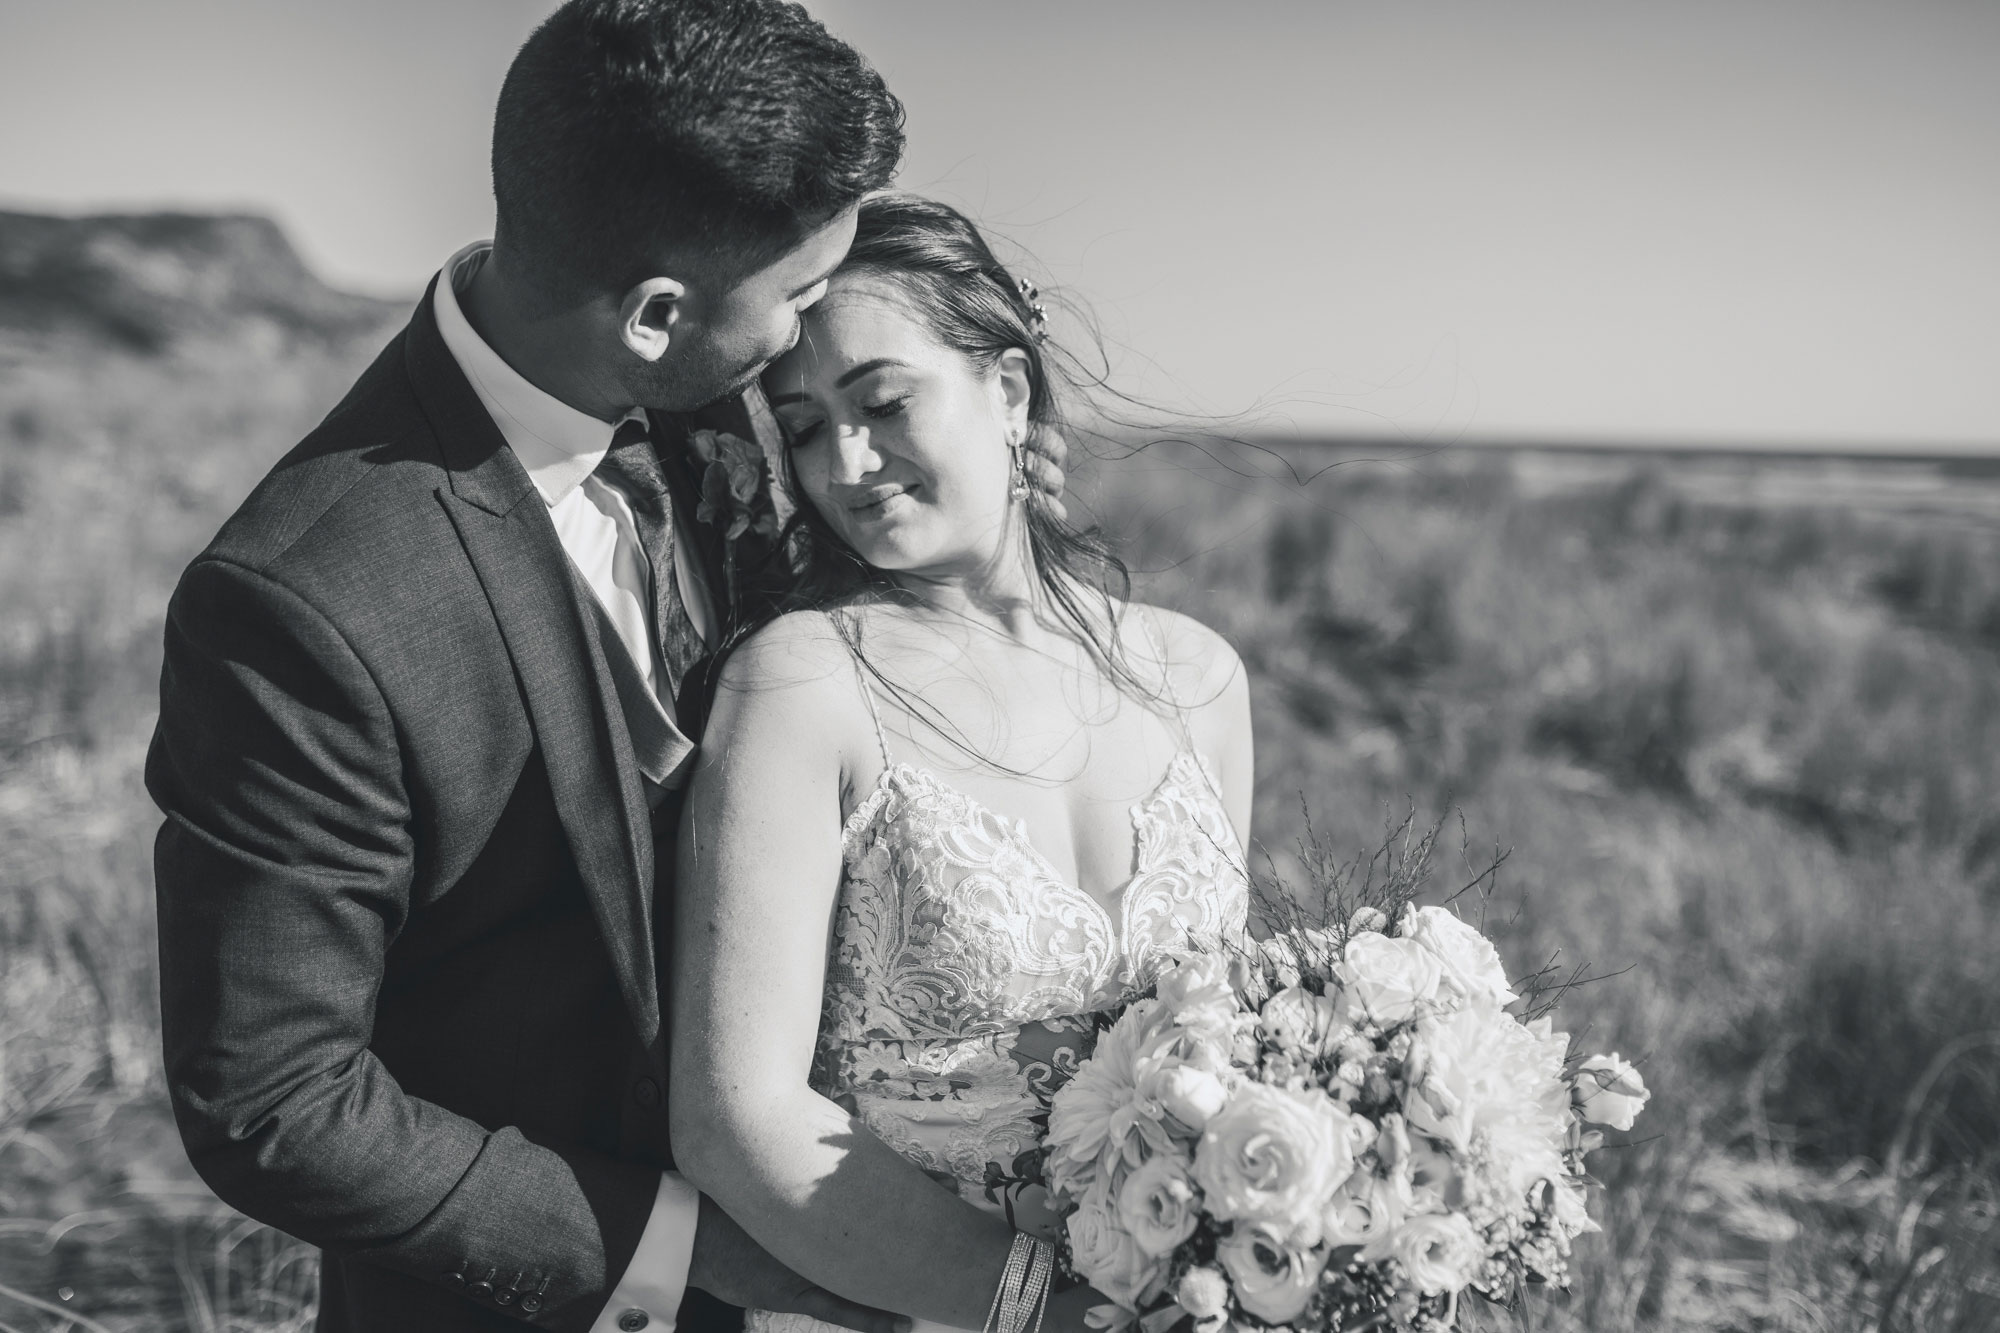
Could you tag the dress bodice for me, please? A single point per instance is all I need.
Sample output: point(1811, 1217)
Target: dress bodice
point(964, 973)
point(964, 970)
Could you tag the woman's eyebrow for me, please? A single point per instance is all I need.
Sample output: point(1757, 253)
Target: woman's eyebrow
point(847, 377)
point(866, 366)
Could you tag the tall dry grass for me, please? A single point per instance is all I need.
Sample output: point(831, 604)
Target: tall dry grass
point(1744, 754)
point(113, 473)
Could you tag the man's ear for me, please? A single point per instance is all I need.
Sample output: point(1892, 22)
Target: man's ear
point(648, 314)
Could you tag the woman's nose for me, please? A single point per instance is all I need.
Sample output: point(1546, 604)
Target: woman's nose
point(854, 456)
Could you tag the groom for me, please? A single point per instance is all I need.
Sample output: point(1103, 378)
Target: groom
point(419, 744)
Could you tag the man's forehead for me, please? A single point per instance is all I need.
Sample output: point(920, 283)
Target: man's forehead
point(817, 255)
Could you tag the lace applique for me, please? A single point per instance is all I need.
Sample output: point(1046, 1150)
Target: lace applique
point(965, 974)
point(964, 969)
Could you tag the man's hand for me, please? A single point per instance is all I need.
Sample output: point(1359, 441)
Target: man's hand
point(729, 1265)
point(1043, 461)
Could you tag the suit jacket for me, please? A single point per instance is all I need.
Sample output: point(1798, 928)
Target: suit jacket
point(409, 934)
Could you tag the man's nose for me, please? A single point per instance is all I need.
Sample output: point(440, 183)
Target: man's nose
point(854, 456)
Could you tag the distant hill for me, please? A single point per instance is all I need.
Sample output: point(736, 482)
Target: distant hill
point(146, 282)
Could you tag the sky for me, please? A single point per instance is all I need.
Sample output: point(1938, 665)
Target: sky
point(1697, 223)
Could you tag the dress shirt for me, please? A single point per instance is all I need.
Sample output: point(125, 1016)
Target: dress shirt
point(561, 447)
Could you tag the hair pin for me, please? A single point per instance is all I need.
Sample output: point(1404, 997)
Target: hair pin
point(1038, 317)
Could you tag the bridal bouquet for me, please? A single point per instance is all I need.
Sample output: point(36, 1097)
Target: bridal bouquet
point(1345, 1129)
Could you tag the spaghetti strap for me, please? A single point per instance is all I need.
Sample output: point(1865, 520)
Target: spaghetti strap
point(1159, 638)
point(1167, 691)
point(867, 690)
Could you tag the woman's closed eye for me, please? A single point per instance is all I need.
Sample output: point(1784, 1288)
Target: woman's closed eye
point(798, 434)
point(889, 407)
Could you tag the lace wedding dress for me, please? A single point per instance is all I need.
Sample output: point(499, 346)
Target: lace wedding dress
point(963, 969)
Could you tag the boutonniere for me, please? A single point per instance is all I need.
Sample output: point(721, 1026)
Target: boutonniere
point(735, 493)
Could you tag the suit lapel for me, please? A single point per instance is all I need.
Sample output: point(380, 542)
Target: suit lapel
point(537, 600)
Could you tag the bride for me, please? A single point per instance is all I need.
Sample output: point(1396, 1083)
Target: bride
point(968, 798)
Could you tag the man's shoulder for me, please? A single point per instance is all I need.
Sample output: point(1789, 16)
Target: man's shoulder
point(362, 472)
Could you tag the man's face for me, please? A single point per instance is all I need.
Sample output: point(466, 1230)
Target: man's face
point(724, 339)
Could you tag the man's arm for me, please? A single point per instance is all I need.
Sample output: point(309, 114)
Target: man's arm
point(283, 872)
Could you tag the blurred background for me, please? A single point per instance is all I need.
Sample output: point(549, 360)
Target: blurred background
point(1588, 429)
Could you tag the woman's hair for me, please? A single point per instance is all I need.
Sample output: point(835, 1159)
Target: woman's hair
point(971, 303)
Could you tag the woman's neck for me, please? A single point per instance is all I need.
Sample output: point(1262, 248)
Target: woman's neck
point(1003, 593)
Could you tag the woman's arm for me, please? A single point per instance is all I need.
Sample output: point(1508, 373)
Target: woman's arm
point(759, 874)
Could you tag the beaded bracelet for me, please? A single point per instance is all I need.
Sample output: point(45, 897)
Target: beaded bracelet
point(1023, 1293)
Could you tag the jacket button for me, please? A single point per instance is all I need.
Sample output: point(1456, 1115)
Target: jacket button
point(530, 1303)
point(504, 1296)
point(633, 1320)
point(456, 1279)
point(647, 1094)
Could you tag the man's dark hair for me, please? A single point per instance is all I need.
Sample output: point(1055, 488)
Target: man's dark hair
point(719, 130)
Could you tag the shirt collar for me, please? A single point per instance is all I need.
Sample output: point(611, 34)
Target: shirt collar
point(557, 444)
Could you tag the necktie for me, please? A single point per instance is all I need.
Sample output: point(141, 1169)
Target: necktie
point(634, 469)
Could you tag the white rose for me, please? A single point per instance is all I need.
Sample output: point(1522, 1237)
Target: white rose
point(1386, 979)
point(1274, 1155)
point(1609, 1092)
point(1471, 964)
point(1297, 1019)
point(1274, 1280)
point(1364, 1212)
point(1156, 1204)
point(1440, 1252)
point(1106, 1255)
point(1189, 1094)
point(1203, 1292)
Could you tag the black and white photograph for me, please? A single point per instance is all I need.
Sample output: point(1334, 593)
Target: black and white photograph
point(1075, 666)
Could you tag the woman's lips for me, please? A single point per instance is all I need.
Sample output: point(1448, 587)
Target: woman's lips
point(874, 500)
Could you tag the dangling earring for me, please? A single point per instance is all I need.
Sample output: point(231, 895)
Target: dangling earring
point(1022, 490)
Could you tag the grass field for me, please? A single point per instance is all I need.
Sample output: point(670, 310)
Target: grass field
point(1741, 736)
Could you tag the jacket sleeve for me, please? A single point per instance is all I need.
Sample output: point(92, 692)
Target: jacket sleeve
point(283, 872)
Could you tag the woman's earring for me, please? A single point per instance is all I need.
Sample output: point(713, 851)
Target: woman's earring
point(1022, 490)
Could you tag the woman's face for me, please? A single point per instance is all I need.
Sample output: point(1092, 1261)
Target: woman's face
point(898, 441)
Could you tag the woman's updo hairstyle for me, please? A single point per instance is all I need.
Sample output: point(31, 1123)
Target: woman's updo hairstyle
point(971, 303)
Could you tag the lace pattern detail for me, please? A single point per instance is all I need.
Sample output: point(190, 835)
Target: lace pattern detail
point(964, 967)
point(965, 972)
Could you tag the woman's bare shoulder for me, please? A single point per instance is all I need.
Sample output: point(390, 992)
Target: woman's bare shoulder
point(1200, 665)
point(799, 659)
